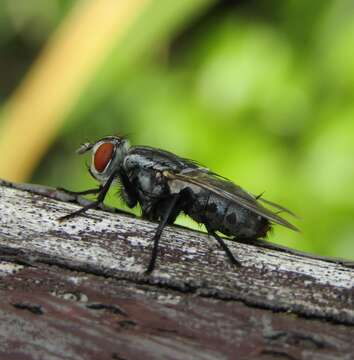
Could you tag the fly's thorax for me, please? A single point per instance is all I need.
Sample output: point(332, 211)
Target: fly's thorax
point(107, 156)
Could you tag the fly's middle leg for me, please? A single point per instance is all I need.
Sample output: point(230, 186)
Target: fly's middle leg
point(164, 221)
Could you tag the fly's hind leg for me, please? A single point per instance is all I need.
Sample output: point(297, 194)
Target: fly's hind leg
point(228, 252)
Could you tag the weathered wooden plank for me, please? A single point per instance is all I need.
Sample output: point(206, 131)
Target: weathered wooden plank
point(195, 304)
point(60, 314)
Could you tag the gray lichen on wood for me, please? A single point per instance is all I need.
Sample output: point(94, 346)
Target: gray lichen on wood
point(116, 246)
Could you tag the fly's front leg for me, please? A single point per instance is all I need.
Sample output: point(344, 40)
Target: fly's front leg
point(164, 221)
point(85, 192)
point(101, 196)
point(228, 252)
point(128, 192)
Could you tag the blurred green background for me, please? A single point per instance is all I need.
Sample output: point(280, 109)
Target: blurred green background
point(259, 91)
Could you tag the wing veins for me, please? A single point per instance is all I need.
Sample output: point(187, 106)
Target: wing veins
point(277, 206)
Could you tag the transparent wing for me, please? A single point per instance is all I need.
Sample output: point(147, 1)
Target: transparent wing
point(276, 206)
point(227, 190)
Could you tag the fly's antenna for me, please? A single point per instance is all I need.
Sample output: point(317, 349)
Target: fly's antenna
point(84, 148)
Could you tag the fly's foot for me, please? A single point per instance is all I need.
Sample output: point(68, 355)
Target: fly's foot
point(234, 260)
point(148, 271)
point(150, 268)
point(67, 217)
point(93, 205)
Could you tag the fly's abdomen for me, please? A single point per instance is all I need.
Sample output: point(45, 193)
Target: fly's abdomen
point(229, 218)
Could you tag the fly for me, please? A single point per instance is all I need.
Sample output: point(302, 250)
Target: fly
point(164, 185)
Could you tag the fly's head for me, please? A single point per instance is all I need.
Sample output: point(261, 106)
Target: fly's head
point(107, 156)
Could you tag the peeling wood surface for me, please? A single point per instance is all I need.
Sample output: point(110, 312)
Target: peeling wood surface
point(77, 291)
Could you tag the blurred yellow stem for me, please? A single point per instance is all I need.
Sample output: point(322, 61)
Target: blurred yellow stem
point(38, 107)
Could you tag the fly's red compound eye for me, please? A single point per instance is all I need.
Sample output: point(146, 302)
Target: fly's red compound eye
point(102, 156)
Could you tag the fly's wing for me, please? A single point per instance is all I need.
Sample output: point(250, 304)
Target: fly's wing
point(227, 190)
point(276, 206)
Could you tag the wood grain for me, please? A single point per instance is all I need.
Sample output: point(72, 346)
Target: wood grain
point(78, 288)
